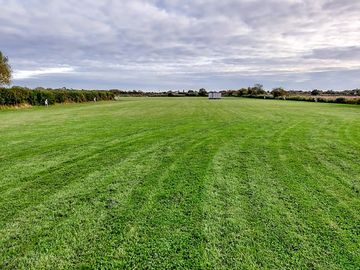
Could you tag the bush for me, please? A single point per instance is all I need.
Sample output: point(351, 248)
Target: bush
point(278, 92)
point(315, 92)
point(340, 100)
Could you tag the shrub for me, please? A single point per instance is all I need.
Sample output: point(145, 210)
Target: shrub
point(340, 100)
point(278, 92)
point(315, 92)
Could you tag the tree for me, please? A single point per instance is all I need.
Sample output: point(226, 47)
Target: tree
point(258, 86)
point(257, 89)
point(5, 70)
point(315, 92)
point(202, 92)
point(191, 93)
point(278, 92)
point(242, 92)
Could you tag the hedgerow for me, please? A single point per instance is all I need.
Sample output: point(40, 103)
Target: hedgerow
point(341, 100)
point(20, 95)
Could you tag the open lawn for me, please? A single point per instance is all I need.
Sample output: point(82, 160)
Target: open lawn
point(166, 183)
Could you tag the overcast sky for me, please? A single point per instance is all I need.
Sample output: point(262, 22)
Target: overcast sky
point(180, 44)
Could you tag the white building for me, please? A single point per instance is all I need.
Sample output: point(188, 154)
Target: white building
point(214, 95)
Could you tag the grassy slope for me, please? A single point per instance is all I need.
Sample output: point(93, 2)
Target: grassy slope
point(180, 183)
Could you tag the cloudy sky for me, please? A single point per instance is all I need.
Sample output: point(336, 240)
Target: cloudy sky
point(182, 44)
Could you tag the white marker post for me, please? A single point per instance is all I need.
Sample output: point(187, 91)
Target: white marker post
point(46, 103)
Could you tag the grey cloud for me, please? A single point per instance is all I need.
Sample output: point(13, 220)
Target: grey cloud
point(176, 43)
point(341, 53)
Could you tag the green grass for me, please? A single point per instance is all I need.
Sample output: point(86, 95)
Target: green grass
point(180, 183)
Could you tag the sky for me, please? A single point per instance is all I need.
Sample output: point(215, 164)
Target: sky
point(182, 44)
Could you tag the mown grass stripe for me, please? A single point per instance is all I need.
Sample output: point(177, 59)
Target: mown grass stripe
point(180, 183)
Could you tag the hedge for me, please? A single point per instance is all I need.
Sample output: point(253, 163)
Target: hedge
point(19, 95)
point(341, 100)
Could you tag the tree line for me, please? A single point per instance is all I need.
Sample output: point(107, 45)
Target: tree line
point(329, 96)
point(258, 90)
point(21, 95)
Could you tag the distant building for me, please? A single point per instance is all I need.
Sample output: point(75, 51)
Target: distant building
point(214, 95)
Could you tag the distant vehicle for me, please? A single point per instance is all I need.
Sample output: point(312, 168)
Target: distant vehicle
point(214, 95)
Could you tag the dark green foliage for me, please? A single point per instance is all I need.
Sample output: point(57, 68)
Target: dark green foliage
point(315, 92)
point(38, 97)
point(340, 100)
point(191, 93)
point(241, 92)
point(256, 90)
point(12, 96)
point(343, 100)
point(21, 95)
point(202, 92)
point(278, 92)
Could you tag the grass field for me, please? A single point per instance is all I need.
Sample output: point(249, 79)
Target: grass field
point(170, 183)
